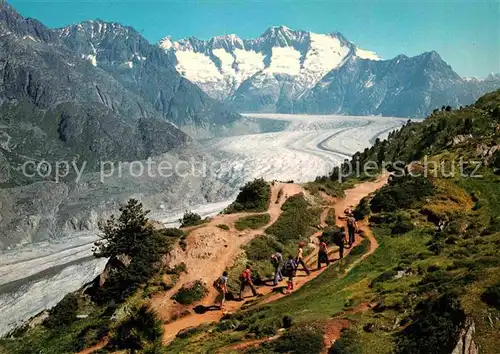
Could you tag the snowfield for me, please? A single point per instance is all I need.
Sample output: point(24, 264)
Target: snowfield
point(37, 276)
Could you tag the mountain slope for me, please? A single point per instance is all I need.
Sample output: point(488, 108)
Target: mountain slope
point(145, 70)
point(80, 106)
point(57, 108)
point(290, 71)
point(432, 285)
point(403, 86)
point(257, 72)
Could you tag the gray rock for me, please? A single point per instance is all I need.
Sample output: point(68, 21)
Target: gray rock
point(466, 343)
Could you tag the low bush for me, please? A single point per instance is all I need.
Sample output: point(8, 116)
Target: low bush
point(191, 219)
point(223, 227)
point(138, 332)
point(262, 247)
point(190, 293)
point(491, 296)
point(177, 269)
point(92, 335)
point(330, 218)
point(401, 193)
point(348, 343)
point(64, 313)
point(252, 222)
point(254, 196)
point(360, 249)
point(435, 328)
point(328, 236)
point(295, 223)
point(362, 210)
point(402, 225)
point(301, 338)
point(326, 185)
point(385, 276)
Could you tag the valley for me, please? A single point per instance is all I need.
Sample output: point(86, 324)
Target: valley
point(36, 276)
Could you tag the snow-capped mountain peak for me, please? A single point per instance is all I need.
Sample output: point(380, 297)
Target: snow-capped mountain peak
point(281, 57)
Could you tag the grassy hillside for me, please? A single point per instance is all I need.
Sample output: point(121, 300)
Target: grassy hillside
point(437, 268)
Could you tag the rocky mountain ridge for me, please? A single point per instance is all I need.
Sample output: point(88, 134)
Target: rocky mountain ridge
point(294, 71)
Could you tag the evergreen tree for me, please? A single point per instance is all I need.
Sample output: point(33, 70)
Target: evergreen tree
point(126, 235)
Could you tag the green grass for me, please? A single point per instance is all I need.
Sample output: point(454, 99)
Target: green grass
point(70, 338)
point(329, 187)
point(252, 222)
point(297, 221)
point(425, 276)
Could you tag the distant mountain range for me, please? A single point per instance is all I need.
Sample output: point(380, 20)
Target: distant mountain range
point(290, 71)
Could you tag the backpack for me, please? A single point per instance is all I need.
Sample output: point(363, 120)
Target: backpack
point(217, 283)
point(338, 238)
point(276, 259)
point(289, 268)
point(244, 276)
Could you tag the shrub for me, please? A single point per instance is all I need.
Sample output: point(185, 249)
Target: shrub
point(328, 236)
point(385, 276)
point(326, 185)
point(348, 343)
point(262, 247)
point(254, 196)
point(190, 293)
point(265, 328)
point(172, 232)
point(304, 338)
point(491, 296)
point(252, 222)
point(360, 249)
point(64, 313)
point(294, 223)
point(178, 269)
point(403, 225)
point(91, 335)
point(435, 328)
point(137, 332)
point(401, 193)
point(362, 209)
point(223, 227)
point(190, 219)
point(330, 218)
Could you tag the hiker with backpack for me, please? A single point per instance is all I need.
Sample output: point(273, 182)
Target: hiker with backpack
point(323, 255)
point(352, 227)
point(339, 239)
point(246, 280)
point(220, 284)
point(300, 259)
point(289, 270)
point(277, 261)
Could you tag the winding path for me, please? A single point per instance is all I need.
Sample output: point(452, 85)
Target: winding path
point(352, 198)
point(211, 250)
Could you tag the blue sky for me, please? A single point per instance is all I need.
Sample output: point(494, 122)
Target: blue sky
point(465, 33)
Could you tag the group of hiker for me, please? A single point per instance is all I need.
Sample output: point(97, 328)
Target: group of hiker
point(288, 268)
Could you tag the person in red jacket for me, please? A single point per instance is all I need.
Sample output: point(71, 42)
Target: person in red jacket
point(323, 255)
point(246, 280)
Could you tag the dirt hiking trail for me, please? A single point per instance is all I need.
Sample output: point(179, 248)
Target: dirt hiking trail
point(211, 250)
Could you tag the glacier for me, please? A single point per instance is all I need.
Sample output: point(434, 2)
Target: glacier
point(38, 276)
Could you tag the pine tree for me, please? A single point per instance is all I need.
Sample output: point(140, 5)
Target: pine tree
point(127, 235)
